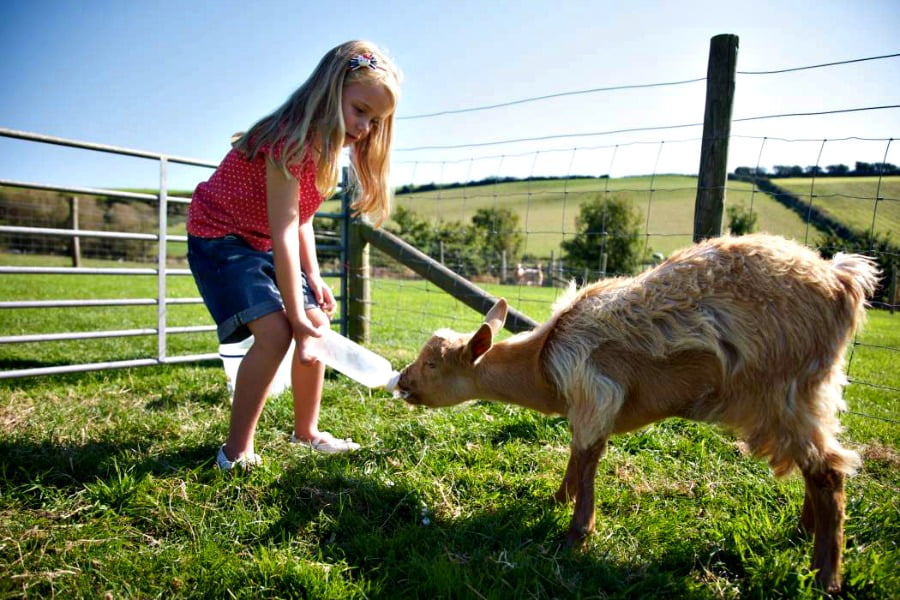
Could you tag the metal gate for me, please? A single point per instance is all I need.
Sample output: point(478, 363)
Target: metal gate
point(336, 245)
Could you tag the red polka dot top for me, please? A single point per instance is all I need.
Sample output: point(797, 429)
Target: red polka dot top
point(233, 200)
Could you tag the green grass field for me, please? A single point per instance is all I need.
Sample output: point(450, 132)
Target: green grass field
point(547, 209)
point(107, 487)
point(851, 200)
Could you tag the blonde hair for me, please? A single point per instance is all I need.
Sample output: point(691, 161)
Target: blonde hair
point(312, 116)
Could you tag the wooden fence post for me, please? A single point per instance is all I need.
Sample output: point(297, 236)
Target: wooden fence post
point(709, 207)
point(359, 286)
point(356, 285)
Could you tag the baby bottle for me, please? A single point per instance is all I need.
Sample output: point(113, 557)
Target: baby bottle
point(351, 359)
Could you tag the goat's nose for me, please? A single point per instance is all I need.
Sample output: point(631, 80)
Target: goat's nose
point(399, 386)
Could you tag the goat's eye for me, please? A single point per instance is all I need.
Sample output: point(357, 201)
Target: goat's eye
point(430, 364)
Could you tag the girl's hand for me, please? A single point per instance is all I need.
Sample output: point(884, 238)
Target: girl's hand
point(324, 295)
point(303, 330)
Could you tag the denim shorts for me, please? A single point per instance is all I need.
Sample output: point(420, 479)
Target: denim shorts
point(237, 283)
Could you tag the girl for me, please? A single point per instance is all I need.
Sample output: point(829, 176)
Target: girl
point(251, 246)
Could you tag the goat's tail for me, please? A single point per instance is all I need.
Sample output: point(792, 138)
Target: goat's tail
point(858, 275)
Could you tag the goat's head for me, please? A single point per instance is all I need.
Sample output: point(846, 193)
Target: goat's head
point(444, 372)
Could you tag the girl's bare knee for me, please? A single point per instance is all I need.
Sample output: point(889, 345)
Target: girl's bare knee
point(273, 331)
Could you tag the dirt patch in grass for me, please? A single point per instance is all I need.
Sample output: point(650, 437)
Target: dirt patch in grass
point(881, 454)
point(14, 415)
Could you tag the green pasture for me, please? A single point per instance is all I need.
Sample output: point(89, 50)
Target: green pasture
point(851, 200)
point(107, 487)
point(547, 209)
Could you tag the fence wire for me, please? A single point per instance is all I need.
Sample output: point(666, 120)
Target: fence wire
point(545, 188)
point(451, 189)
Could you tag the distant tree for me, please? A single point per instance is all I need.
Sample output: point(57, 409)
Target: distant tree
point(788, 171)
point(467, 249)
point(609, 226)
point(457, 247)
point(750, 171)
point(132, 217)
point(864, 168)
point(497, 232)
point(413, 229)
point(741, 220)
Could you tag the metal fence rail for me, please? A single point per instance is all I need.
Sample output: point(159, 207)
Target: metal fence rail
point(161, 270)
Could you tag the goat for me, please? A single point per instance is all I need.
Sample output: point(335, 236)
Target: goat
point(747, 332)
point(529, 275)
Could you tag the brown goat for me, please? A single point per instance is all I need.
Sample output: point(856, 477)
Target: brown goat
point(748, 332)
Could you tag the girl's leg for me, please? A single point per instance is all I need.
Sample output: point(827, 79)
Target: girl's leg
point(272, 337)
point(307, 382)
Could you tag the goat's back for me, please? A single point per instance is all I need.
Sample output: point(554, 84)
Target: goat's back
point(747, 331)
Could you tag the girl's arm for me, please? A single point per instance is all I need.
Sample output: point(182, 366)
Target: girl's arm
point(310, 263)
point(284, 223)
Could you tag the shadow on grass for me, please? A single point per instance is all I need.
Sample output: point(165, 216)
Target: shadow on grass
point(18, 364)
point(169, 400)
point(213, 367)
point(70, 466)
point(389, 534)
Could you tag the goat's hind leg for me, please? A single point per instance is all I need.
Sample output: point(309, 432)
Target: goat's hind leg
point(823, 507)
point(583, 465)
point(807, 515)
point(569, 486)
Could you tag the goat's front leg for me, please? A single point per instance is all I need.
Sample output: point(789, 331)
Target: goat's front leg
point(583, 464)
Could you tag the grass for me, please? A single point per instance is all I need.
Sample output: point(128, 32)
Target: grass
point(547, 209)
point(851, 200)
point(107, 486)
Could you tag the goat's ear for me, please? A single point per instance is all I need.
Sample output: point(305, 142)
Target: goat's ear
point(480, 342)
point(496, 317)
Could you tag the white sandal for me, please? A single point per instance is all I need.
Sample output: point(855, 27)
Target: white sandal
point(244, 462)
point(327, 443)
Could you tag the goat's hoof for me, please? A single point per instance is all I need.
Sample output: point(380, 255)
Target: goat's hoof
point(831, 585)
point(560, 497)
point(575, 539)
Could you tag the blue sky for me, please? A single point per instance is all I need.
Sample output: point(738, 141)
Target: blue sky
point(178, 77)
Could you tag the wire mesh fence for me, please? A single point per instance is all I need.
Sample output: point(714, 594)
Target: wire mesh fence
point(506, 213)
point(804, 189)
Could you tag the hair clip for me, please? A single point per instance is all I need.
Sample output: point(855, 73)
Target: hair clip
point(363, 60)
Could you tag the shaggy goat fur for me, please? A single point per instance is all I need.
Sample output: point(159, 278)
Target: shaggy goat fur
point(748, 332)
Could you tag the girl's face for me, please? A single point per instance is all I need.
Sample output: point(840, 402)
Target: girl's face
point(364, 104)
